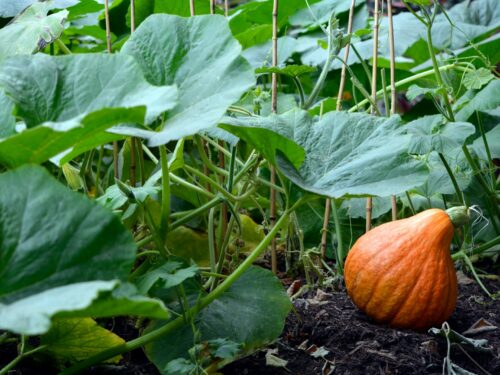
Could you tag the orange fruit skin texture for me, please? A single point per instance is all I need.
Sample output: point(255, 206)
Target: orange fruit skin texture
point(401, 273)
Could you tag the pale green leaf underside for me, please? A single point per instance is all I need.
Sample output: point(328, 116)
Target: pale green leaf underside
point(346, 154)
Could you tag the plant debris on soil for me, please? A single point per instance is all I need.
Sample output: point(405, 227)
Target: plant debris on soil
point(327, 334)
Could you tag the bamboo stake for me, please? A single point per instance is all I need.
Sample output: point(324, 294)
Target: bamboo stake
point(108, 45)
point(222, 165)
point(132, 15)
point(133, 140)
point(191, 7)
point(394, 207)
point(340, 94)
point(374, 97)
point(226, 8)
point(274, 106)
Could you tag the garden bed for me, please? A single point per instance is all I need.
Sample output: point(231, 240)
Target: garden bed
point(355, 345)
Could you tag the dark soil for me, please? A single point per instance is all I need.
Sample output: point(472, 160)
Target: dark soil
point(355, 345)
point(349, 342)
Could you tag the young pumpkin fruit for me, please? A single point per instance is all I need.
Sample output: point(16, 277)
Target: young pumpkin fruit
point(401, 273)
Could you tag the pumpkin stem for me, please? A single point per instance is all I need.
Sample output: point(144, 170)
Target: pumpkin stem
point(459, 216)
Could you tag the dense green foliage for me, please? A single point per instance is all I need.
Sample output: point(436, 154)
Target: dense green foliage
point(168, 142)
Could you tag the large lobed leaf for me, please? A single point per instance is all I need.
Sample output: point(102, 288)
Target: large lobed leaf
point(251, 312)
point(61, 254)
point(202, 58)
point(68, 102)
point(346, 154)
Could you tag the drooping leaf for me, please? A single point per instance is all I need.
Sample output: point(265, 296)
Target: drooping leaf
point(201, 57)
point(431, 133)
point(42, 143)
point(61, 88)
point(256, 298)
point(75, 99)
point(346, 153)
point(33, 314)
point(75, 339)
point(61, 254)
point(31, 31)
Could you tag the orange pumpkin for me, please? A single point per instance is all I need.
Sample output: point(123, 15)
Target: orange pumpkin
point(401, 273)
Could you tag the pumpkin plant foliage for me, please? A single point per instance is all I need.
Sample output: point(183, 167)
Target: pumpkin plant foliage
point(339, 148)
point(202, 58)
point(62, 255)
point(72, 100)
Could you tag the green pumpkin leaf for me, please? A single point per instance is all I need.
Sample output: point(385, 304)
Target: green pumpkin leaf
point(430, 133)
point(76, 339)
point(202, 58)
point(67, 103)
point(256, 298)
point(61, 254)
point(475, 79)
point(166, 276)
point(264, 138)
point(31, 31)
point(349, 154)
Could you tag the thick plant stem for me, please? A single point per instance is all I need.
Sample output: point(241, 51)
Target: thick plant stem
point(394, 207)
point(62, 47)
point(274, 106)
point(179, 321)
point(132, 15)
point(404, 82)
point(108, 46)
point(340, 94)
point(478, 250)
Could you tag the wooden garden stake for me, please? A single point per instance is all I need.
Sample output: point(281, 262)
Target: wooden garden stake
point(393, 88)
point(191, 7)
point(133, 140)
point(326, 217)
point(108, 45)
point(274, 106)
point(222, 165)
point(226, 8)
point(374, 97)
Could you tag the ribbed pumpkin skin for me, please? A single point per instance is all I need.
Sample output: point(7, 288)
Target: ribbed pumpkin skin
point(401, 273)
